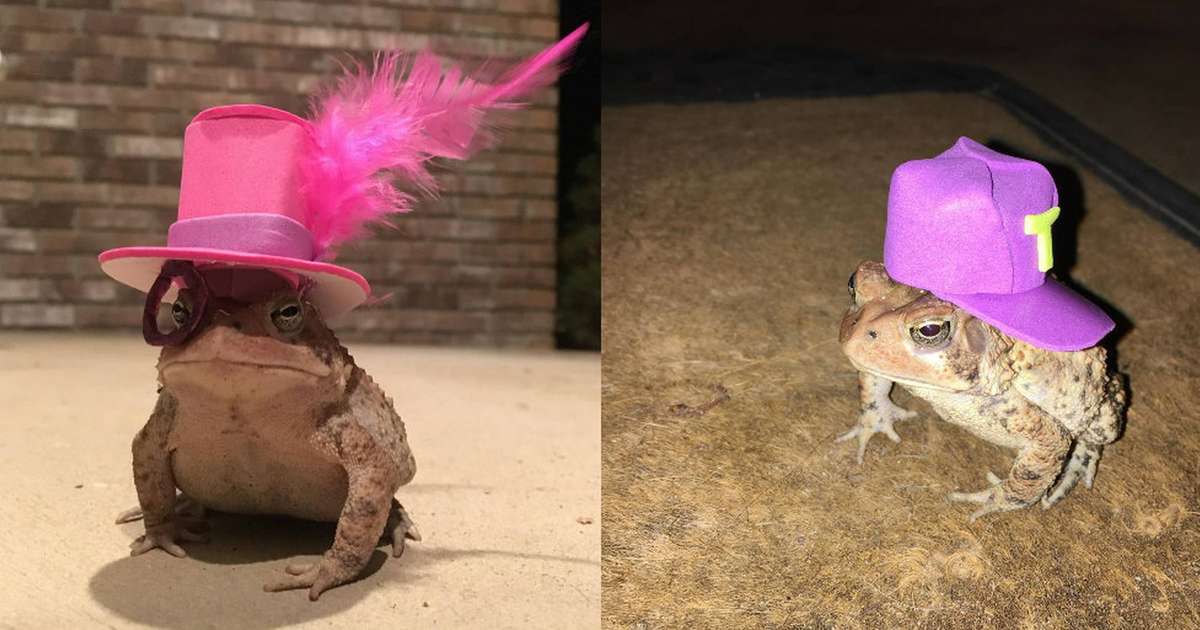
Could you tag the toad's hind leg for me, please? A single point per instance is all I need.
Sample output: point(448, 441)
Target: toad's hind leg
point(373, 478)
point(1035, 469)
point(1082, 465)
point(1104, 428)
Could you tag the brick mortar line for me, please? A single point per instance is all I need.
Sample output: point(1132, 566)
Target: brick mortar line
point(501, 149)
point(464, 10)
point(37, 178)
point(460, 10)
point(498, 221)
point(171, 90)
point(180, 87)
point(77, 15)
point(36, 153)
point(456, 10)
point(79, 30)
point(177, 90)
point(518, 175)
point(149, 206)
point(452, 194)
point(550, 132)
point(467, 10)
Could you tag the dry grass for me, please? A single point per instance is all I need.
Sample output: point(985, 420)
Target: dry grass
point(729, 231)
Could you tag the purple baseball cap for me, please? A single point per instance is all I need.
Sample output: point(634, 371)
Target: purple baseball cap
point(972, 226)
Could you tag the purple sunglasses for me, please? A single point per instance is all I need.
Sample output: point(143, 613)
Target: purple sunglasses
point(203, 288)
point(184, 274)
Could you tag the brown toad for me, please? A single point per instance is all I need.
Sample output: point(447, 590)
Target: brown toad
point(1050, 407)
point(262, 411)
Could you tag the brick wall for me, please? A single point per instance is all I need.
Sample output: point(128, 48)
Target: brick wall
point(94, 99)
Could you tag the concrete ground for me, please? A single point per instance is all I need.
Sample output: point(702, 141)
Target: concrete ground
point(507, 497)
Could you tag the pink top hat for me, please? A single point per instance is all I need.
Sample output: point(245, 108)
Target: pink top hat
point(972, 226)
point(265, 189)
point(240, 203)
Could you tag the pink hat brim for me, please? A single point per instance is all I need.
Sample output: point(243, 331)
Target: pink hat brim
point(1050, 316)
point(336, 290)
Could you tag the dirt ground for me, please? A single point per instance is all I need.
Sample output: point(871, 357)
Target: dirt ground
point(507, 449)
point(729, 231)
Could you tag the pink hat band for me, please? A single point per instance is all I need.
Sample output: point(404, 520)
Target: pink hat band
point(249, 233)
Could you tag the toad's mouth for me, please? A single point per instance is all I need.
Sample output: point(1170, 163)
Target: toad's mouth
point(908, 382)
point(219, 362)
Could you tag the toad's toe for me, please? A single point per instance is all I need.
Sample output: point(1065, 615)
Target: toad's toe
point(317, 577)
point(401, 528)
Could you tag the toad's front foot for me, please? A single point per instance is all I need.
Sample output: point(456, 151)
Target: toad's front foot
point(991, 499)
point(317, 577)
point(165, 536)
point(876, 418)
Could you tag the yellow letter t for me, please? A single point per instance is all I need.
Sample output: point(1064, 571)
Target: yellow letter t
point(1039, 225)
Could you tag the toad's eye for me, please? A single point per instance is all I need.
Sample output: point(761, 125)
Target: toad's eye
point(288, 318)
point(930, 333)
point(181, 311)
point(850, 286)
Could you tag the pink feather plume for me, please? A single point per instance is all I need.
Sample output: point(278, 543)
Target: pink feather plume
point(374, 126)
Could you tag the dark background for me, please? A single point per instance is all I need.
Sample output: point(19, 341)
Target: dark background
point(1126, 70)
point(577, 321)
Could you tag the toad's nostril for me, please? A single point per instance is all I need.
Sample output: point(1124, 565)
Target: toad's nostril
point(872, 334)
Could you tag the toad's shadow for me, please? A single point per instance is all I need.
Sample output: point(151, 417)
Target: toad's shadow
point(220, 583)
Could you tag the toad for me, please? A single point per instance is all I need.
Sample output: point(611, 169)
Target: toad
point(262, 411)
point(1056, 409)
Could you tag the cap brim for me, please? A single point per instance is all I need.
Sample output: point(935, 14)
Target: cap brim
point(336, 290)
point(1051, 316)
